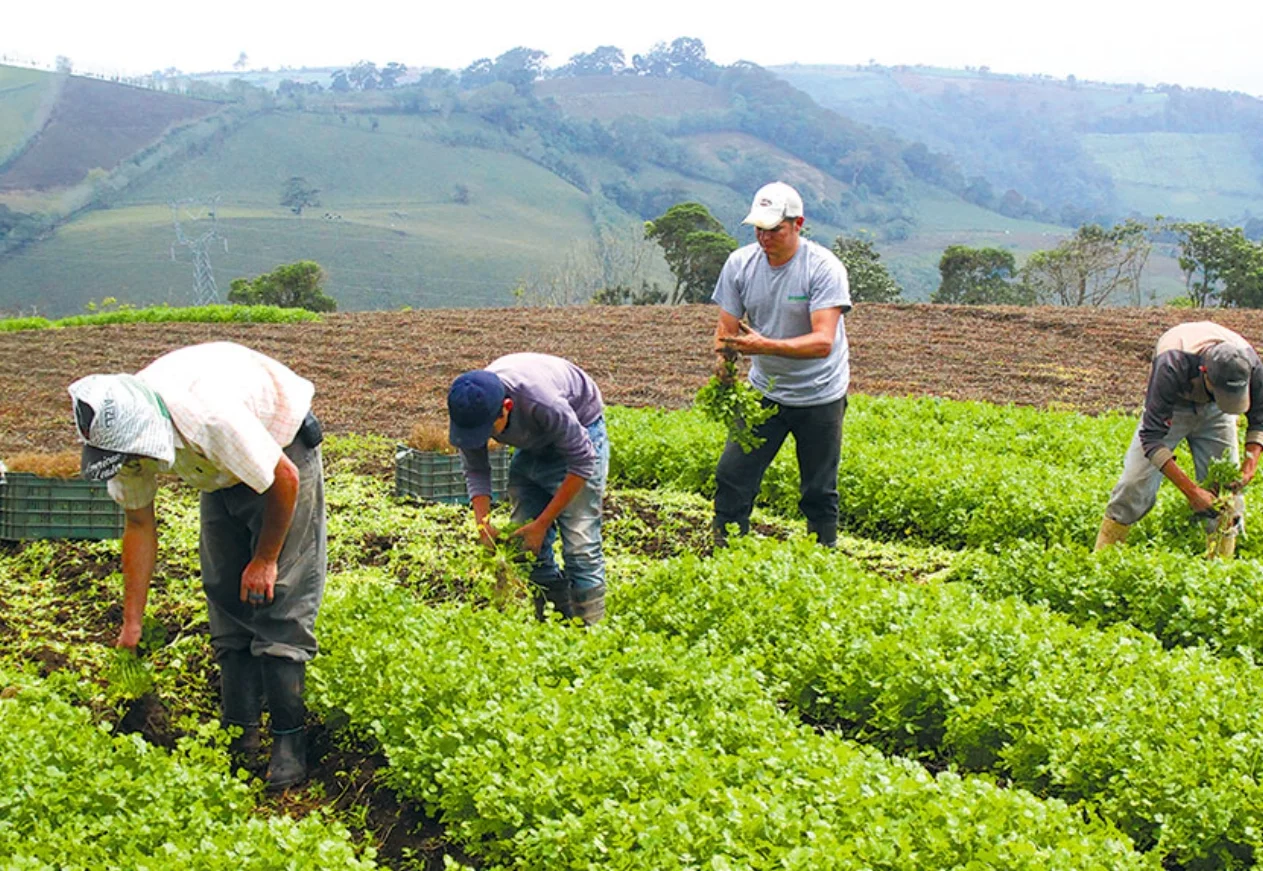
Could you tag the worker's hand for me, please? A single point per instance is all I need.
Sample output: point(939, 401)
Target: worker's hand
point(1201, 501)
point(258, 582)
point(532, 535)
point(748, 341)
point(1248, 467)
point(128, 636)
point(488, 534)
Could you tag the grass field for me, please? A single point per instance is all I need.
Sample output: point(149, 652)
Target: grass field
point(25, 97)
point(1195, 176)
point(393, 236)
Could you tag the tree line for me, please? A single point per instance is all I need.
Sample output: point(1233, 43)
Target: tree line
point(1103, 265)
point(1094, 267)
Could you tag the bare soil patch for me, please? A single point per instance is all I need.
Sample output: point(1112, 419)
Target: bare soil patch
point(382, 372)
point(96, 124)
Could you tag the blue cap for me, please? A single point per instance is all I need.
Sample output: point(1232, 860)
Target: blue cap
point(474, 402)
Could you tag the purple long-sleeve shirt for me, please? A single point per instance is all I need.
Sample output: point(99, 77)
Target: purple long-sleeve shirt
point(554, 403)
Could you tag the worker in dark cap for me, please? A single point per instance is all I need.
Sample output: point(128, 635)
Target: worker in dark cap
point(1203, 377)
point(551, 411)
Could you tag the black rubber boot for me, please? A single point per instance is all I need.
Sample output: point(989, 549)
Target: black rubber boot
point(589, 605)
point(826, 533)
point(554, 592)
point(285, 681)
point(241, 705)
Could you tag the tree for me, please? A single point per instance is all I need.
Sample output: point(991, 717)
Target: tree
point(1214, 260)
point(364, 75)
point(339, 81)
point(695, 246)
point(1092, 268)
point(297, 194)
point(979, 276)
point(867, 276)
point(294, 286)
point(605, 60)
point(519, 67)
point(477, 74)
point(390, 74)
point(242, 61)
point(685, 57)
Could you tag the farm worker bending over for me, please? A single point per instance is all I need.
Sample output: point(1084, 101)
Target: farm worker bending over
point(552, 412)
point(793, 293)
point(238, 426)
point(1203, 376)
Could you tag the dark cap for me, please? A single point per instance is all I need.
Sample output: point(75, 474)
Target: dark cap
point(474, 402)
point(1228, 368)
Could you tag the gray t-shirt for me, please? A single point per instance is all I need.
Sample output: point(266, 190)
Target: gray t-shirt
point(554, 402)
point(779, 301)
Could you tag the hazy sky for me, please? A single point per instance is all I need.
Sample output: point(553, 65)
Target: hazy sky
point(1214, 43)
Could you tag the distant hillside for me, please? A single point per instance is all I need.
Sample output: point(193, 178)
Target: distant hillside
point(1079, 150)
point(54, 152)
point(458, 189)
point(26, 99)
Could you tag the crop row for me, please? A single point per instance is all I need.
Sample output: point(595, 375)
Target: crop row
point(546, 747)
point(213, 314)
point(1165, 744)
point(74, 797)
point(1182, 601)
point(952, 473)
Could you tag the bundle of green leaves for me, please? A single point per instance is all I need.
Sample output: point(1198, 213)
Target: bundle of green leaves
point(735, 404)
point(1223, 478)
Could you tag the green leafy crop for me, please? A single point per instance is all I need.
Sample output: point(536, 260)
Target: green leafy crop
point(735, 404)
point(1223, 478)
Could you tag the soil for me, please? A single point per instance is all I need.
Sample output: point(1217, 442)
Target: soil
point(382, 372)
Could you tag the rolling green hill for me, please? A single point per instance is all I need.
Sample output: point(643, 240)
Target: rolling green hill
point(388, 230)
point(26, 97)
point(1082, 148)
point(1197, 176)
point(439, 194)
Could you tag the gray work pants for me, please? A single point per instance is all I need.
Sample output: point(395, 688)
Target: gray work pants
point(1211, 434)
point(231, 522)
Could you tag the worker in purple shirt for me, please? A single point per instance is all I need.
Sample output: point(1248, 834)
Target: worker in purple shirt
point(551, 411)
point(1203, 378)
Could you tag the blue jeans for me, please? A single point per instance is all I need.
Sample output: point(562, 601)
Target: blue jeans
point(534, 477)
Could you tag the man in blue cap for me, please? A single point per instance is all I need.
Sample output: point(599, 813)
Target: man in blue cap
point(552, 412)
point(1203, 377)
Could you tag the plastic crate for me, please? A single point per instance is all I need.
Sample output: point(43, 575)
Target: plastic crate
point(35, 507)
point(438, 477)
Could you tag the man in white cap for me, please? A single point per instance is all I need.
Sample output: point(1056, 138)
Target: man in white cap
point(1203, 377)
point(238, 426)
point(793, 294)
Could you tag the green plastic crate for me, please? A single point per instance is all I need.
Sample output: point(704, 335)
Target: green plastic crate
point(35, 507)
point(438, 477)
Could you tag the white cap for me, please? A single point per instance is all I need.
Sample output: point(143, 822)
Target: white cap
point(119, 414)
point(772, 204)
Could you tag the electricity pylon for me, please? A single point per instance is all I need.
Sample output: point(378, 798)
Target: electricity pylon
point(205, 292)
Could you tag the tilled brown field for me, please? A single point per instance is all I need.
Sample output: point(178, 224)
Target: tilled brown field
point(380, 372)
